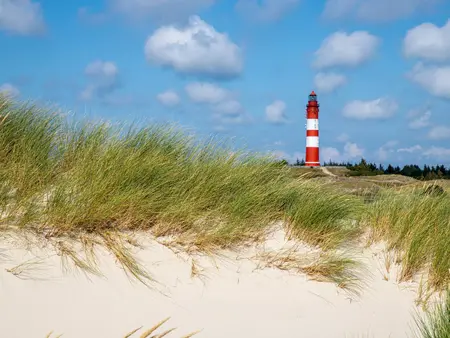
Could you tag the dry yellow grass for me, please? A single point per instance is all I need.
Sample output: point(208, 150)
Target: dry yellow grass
point(150, 333)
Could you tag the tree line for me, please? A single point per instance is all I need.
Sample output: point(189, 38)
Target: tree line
point(364, 168)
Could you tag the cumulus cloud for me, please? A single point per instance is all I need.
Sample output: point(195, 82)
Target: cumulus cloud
point(229, 107)
point(278, 143)
point(439, 133)
point(376, 10)
point(386, 150)
point(21, 17)
point(168, 98)
point(103, 78)
point(438, 153)
point(195, 49)
point(204, 92)
point(9, 90)
point(275, 112)
point(266, 10)
point(159, 10)
point(381, 108)
point(219, 99)
point(328, 82)
point(421, 121)
point(350, 152)
point(233, 119)
point(330, 154)
point(428, 41)
point(342, 49)
point(434, 79)
point(344, 137)
point(290, 157)
point(410, 150)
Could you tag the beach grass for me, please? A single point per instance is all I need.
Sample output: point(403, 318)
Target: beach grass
point(436, 322)
point(96, 184)
point(417, 226)
point(151, 332)
point(83, 180)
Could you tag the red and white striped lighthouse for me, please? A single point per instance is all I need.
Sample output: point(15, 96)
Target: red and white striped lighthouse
point(312, 131)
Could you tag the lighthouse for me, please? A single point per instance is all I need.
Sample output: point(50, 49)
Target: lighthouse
point(312, 131)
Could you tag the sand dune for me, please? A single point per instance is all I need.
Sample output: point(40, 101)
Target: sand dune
point(234, 298)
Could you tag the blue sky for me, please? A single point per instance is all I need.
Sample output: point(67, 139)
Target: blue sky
point(244, 69)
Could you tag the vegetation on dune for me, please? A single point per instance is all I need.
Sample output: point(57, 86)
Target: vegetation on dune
point(436, 323)
point(61, 179)
point(415, 223)
point(96, 184)
point(152, 332)
point(364, 168)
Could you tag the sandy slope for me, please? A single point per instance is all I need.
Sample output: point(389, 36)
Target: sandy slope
point(235, 300)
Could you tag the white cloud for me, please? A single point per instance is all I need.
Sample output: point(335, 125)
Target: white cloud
point(266, 10)
point(195, 49)
point(343, 137)
point(234, 119)
point(435, 80)
point(9, 90)
point(291, 158)
point(342, 49)
point(427, 41)
point(275, 112)
point(420, 122)
point(220, 100)
point(381, 108)
point(387, 149)
point(410, 150)
point(229, 107)
point(375, 10)
point(351, 151)
point(101, 68)
point(103, 79)
point(328, 82)
point(438, 153)
point(330, 154)
point(390, 144)
point(439, 133)
point(168, 98)
point(21, 17)
point(159, 10)
point(383, 153)
point(204, 92)
point(220, 129)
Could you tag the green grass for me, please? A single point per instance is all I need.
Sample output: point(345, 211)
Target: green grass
point(94, 184)
point(436, 323)
point(417, 226)
point(61, 179)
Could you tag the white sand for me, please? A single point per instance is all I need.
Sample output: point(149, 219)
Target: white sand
point(233, 300)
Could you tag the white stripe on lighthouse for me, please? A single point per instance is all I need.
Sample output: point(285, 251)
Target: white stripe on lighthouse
point(312, 124)
point(312, 141)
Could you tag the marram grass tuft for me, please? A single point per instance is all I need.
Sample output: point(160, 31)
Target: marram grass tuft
point(87, 181)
